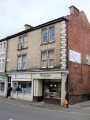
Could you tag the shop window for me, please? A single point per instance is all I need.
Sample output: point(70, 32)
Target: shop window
point(52, 89)
point(22, 87)
point(2, 86)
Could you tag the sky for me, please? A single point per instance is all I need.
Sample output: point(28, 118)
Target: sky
point(14, 14)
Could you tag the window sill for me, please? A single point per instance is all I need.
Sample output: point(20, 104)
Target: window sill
point(46, 43)
point(43, 67)
point(22, 49)
point(49, 67)
point(19, 70)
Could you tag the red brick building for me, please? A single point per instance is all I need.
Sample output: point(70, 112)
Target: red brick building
point(78, 30)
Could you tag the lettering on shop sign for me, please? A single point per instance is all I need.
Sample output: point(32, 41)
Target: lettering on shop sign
point(24, 76)
point(45, 75)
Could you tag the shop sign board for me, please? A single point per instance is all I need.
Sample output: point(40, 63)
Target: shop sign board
point(74, 56)
point(50, 76)
point(21, 77)
point(3, 78)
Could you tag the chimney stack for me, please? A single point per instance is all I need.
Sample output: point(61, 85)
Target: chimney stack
point(27, 26)
point(74, 10)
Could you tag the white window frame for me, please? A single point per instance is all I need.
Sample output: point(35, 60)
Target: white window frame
point(22, 65)
point(51, 58)
point(47, 58)
point(49, 33)
point(23, 41)
point(43, 32)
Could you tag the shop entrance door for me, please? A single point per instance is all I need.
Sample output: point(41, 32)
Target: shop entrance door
point(52, 91)
point(9, 89)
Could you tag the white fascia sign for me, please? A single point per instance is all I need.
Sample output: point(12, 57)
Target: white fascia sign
point(74, 56)
point(3, 78)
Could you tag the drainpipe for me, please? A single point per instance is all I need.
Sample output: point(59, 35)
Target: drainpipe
point(67, 57)
point(6, 58)
point(6, 86)
point(6, 61)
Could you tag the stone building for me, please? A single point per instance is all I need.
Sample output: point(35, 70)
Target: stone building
point(3, 76)
point(46, 62)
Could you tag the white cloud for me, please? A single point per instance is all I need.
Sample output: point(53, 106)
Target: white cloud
point(15, 13)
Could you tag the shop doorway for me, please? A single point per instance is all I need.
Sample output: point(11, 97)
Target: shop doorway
point(9, 81)
point(47, 90)
point(52, 91)
point(9, 88)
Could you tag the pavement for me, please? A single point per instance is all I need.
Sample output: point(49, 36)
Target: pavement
point(11, 109)
point(83, 107)
point(34, 104)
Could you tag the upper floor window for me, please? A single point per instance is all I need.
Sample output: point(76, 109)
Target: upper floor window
point(48, 34)
point(2, 45)
point(47, 58)
point(22, 62)
point(2, 64)
point(44, 59)
point(51, 34)
point(23, 42)
point(45, 35)
point(50, 58)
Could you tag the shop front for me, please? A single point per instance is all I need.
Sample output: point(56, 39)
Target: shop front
point(22, 86)
point(47, 90)
point(50, 86)
point(3, 85)
point(52, 91)
point(47, 86)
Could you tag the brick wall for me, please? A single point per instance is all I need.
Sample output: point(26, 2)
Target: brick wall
point(79, 41)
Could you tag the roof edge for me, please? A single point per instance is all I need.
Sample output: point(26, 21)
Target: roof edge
point(35, 28)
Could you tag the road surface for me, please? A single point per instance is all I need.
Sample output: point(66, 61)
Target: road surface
point(14, 110)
